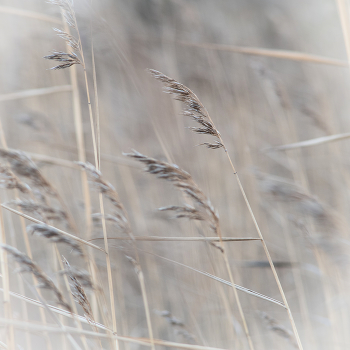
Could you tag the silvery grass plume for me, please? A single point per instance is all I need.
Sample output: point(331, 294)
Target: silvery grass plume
point(10, 181)
point(68, 38)
point(287, 191)
point(108, 191)
point(22, 165)
point(193, 108)
point(79, 279)
point(178, 325)
point(28, 265)
point(54, 236)
point(204, 211)
point(67, 8)
point(279, 329)
point(42, 211)
point(68, 59)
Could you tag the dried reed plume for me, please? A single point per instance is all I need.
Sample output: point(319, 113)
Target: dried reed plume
point(27, 265)
point(178, 325)
point(68, 58)
point(67, 9)
point(54, 236)
point(22, 165)
point(284, 190)
point(119, 216)
point(44, 212)
point(272, 324)
point(68, 38)
point(79, 279)
point(183, 181)
point(10, 181)
point(193, 108)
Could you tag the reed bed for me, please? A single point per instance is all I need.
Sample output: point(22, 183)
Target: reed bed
point(227, 228)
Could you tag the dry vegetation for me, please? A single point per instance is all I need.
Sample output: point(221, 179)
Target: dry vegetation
point(92, 256)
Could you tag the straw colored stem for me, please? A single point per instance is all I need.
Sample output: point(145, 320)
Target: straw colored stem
point(10, 338)
point(29, 14)
point(52, 227)
point(185, 239)
point(34, 92)
point(280, 54)
point(70, 330)
point(267, 253)
point(239, 305)
point(146, 306)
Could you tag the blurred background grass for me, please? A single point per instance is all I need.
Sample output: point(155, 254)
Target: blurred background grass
point(300, 196)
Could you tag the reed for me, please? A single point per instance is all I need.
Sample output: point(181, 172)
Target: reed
point(247, 248)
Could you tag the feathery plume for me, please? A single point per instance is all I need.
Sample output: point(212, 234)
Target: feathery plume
point(10, 181)
point(183, 181)
point(68, 38)
point(193, 108)
point(44, 212)
point(54, 236)
point(106, 188)
point(79, 278)
point(67, 9)
point(272, 324)
point(178, 325)
point(68, 59)
point(28, 265)
point(22, 165)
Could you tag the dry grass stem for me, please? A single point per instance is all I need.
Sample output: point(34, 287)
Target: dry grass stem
point(29, 14)
point(184, 239)
point(54, 228)
point(57, 310)
point(141, 278)
point(70, 330)
point(34, 92)
point(281, 54)
point(218, 279)
point(312, 142)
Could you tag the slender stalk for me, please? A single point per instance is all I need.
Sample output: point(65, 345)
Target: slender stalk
point(79, 133)
point(239, 305)
point(97, 163)
point(281, 54)
point(196, 111)
point(10, 337)
point(60, 231)
point(267, 253)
